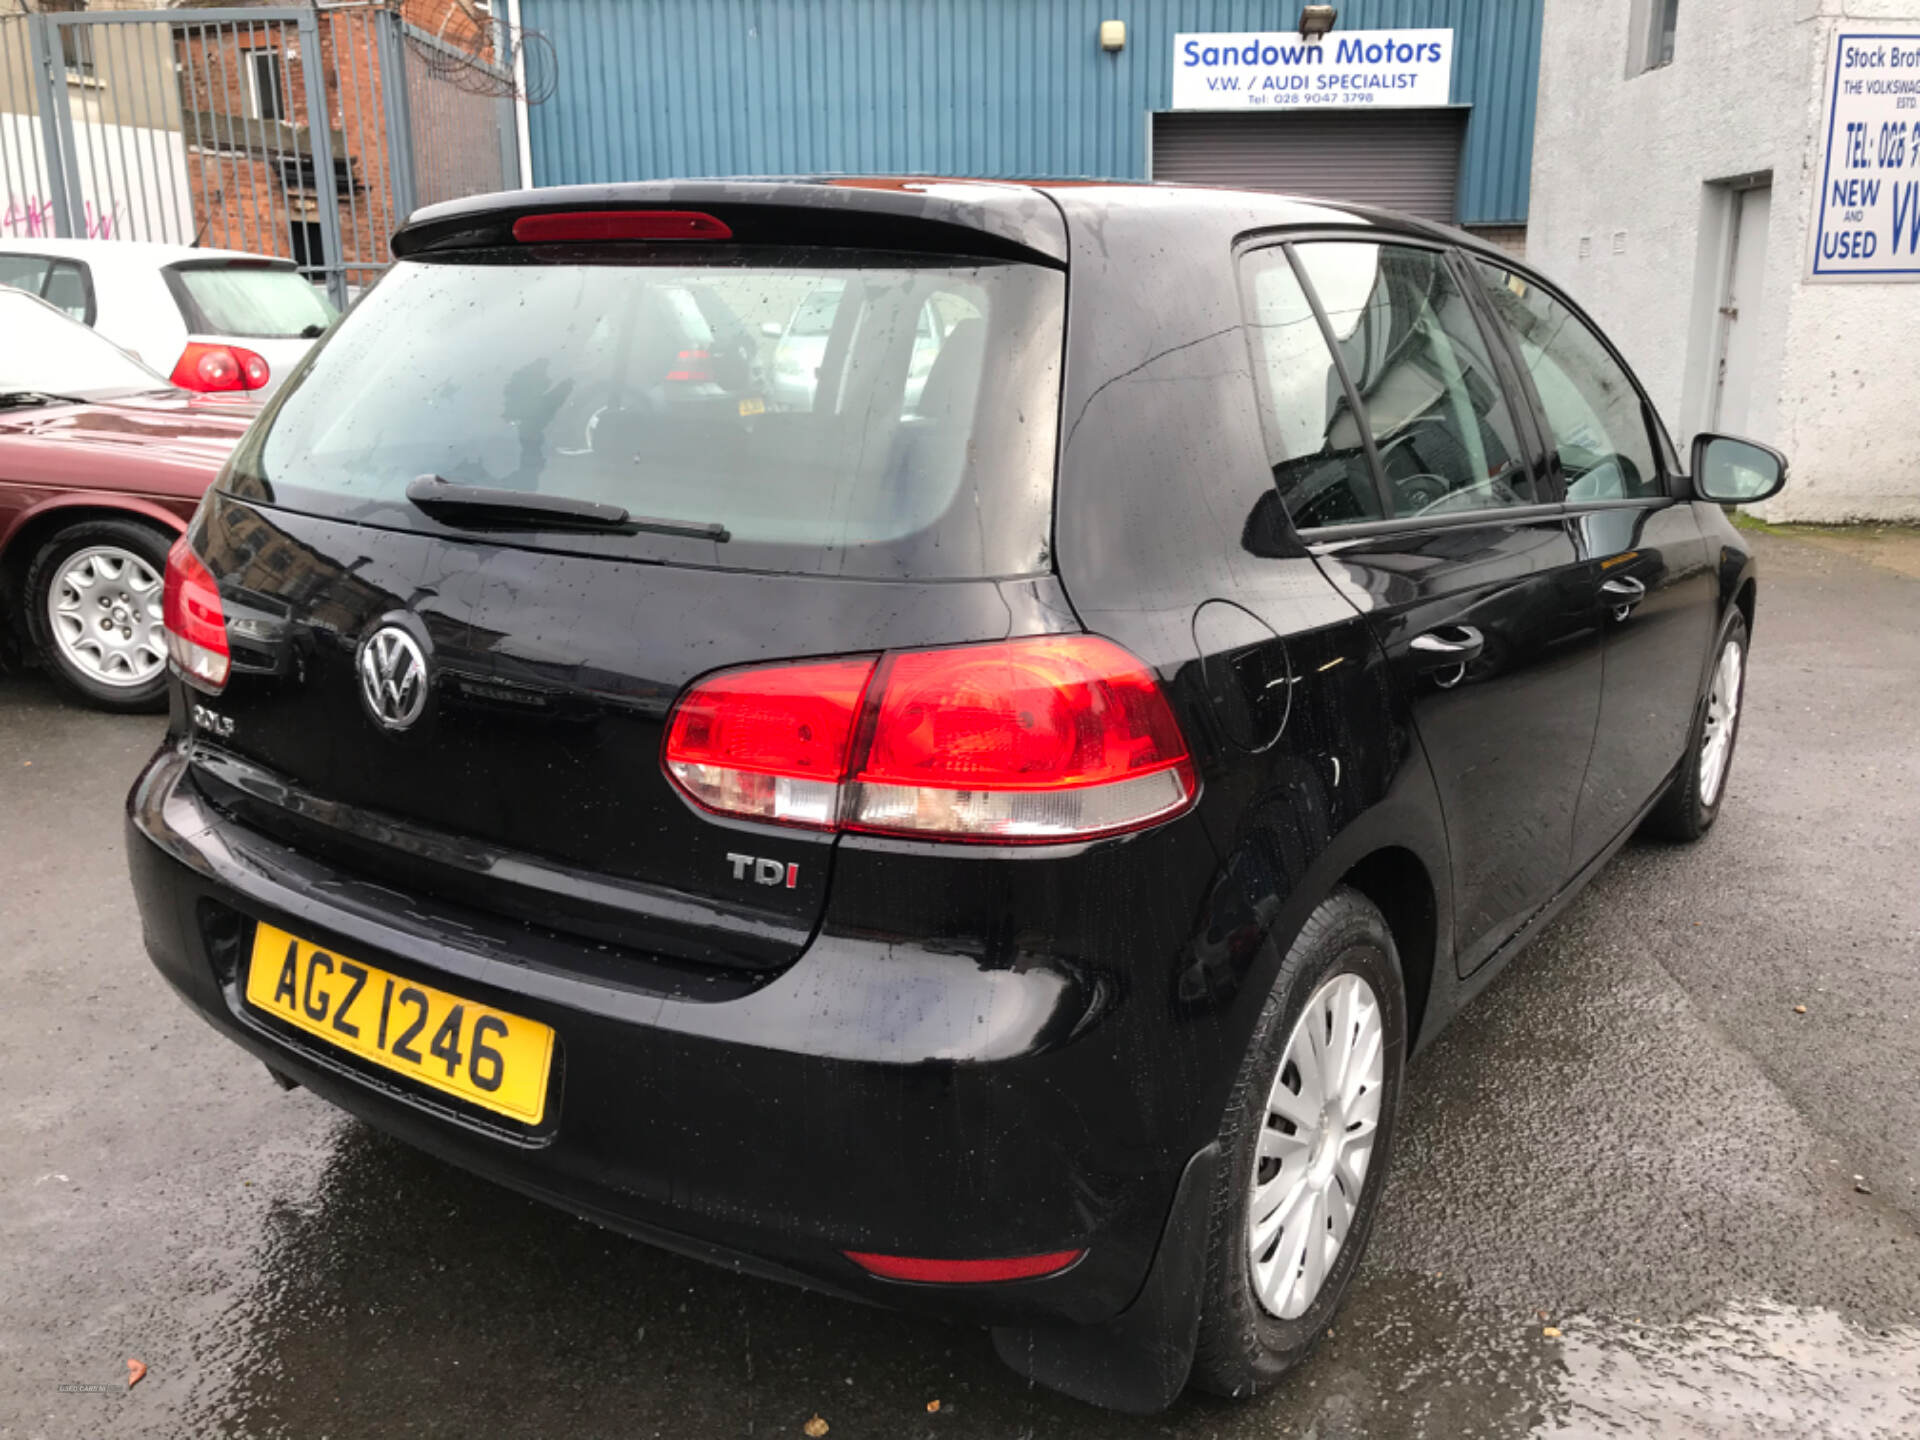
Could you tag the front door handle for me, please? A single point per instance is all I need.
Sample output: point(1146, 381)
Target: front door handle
point(1448, 650)
point(1623, 592)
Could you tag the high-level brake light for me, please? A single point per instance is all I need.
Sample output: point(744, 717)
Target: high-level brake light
point(592, 226)
point(1054, 738)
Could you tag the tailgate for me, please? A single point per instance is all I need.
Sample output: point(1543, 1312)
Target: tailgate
point(530, 783)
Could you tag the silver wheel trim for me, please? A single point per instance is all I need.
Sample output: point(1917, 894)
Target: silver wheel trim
point(103, 611)
point(1723, 712)
point(1315, 1143)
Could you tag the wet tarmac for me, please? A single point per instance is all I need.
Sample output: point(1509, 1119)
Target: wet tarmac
point(1634, 1140)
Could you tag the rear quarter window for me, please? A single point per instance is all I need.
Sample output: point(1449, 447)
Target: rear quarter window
point(836, 412)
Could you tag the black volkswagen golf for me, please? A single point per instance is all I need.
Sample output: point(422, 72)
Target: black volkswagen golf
point(985, 833)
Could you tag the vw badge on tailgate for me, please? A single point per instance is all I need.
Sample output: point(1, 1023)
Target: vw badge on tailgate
point(393, 677)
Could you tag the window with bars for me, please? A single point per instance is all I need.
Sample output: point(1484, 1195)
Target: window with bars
point(266, 83)
point(76, 41)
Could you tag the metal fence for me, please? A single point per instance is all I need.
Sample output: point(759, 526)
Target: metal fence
point(298, 132)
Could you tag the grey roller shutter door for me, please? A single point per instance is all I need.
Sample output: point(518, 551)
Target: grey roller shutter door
point(1403, 159)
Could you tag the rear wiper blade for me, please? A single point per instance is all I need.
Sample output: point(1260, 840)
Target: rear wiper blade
point(480, 505)
point(10, 398)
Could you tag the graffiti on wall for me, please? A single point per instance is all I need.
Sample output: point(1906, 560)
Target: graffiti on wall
point(33, 216)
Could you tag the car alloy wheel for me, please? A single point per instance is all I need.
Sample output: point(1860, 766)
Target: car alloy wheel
point(1323, 1110)
point(1723, 713)
point(104, 614)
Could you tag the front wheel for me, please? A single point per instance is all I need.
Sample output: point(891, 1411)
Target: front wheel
point(1305, 1144)
point(93, 594)
point(1692, 802)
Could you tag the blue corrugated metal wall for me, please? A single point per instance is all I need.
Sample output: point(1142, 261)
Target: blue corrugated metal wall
point(650, 88)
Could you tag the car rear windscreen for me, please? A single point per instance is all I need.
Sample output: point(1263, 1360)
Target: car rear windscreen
point(835, 413)
point(263, 302)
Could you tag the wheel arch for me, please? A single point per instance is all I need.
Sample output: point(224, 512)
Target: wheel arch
point(33, 528)
point(1395, 854)
point(1397, 882)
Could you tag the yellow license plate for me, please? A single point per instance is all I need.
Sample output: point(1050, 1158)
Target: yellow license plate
point(484, 1056)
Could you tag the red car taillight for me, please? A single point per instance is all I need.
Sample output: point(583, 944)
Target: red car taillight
point(691, 365)
point(196, 625)
point(219, 367)
point(1019, 741)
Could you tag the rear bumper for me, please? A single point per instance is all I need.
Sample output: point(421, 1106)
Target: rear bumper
point(875, 1096)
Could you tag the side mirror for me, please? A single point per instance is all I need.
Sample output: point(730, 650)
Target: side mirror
point(1730, 471)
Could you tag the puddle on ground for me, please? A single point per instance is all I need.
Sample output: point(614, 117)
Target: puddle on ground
point(1416, 1356)
point(1756, 1369)
point(391, 1294)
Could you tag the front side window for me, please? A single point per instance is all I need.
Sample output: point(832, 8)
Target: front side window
point(1598, 424)
point(1428, 391)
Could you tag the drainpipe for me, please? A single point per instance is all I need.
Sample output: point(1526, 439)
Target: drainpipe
point(523, 133)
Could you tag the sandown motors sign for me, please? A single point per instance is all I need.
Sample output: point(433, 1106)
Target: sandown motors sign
point(1281, 71)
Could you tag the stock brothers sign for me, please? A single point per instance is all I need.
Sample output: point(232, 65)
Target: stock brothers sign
point(1866, 218)
point(1281, 71)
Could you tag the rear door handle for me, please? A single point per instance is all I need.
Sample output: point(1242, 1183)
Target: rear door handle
point(1623, 592)
point(1448, 649)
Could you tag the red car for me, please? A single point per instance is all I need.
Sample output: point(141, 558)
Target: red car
point(101, 465)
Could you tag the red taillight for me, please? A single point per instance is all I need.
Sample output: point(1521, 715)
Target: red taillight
point(252, 367)
point(1023, 741)
point(587, 226)
point(696, 370)
point(219, 367)
point(771, 743)
point(963, 1272)
point(196, 625)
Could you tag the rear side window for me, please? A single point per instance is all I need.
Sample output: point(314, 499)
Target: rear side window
point(836, 413)
point(66, 289)
point(1599, 426)
point(262, 302)
point(1313, 432)
point(1433, 403)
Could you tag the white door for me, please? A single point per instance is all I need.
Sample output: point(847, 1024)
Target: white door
point(1740, 309)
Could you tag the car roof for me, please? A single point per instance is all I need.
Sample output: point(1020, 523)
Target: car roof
point(139, 254)
point(1024, 214)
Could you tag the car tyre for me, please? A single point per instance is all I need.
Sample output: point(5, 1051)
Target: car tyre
point(119, 566)
point(1345, 948)
point(1692, 801)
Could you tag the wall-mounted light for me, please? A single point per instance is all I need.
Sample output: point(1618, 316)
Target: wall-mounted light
point(1113, 35)
point(1316, 20)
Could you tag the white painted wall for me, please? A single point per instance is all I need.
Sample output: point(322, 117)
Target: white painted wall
point(1628, 163)
point(133, 181)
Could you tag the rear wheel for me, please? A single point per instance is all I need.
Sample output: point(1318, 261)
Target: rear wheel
point(1692, 802)
point(1305, 1144)
point(93, 598)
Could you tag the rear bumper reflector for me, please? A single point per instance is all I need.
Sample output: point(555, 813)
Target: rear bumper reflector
point(964, 1272)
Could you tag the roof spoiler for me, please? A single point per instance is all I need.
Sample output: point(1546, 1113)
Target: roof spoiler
point(987, 221)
